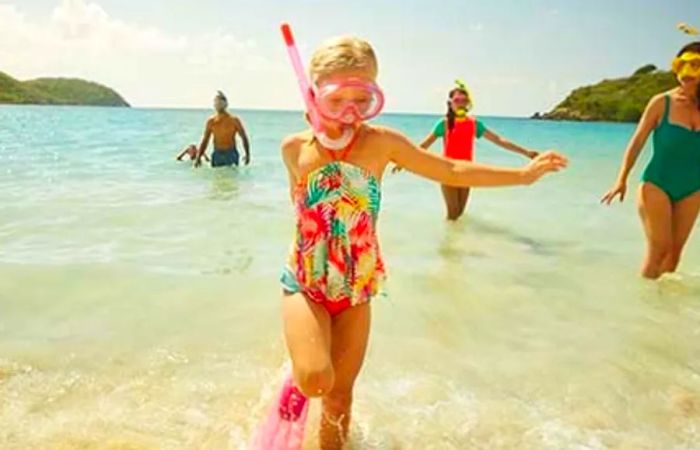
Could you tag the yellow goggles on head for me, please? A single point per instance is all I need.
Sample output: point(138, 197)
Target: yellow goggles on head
point(687, 65)
point(688, 29)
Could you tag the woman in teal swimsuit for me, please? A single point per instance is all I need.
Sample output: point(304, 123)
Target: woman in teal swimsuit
point(669, 197)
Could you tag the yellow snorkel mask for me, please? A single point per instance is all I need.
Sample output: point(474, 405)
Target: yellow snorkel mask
point(461, 111)
point(688, 29)
point(687, 65)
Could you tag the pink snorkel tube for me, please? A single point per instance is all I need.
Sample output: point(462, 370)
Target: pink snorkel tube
point(303, 81)
point(308, 95)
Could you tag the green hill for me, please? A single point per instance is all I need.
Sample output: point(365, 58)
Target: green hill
point(617, 100)
point(57, 91)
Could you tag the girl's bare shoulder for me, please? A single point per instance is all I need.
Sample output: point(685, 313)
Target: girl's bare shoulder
point(386, 134)
point(293, 142)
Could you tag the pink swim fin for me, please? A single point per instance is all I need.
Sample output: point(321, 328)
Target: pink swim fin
point(284, 427)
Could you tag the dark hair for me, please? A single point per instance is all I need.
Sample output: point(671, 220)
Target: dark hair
point(450, 113)
point(221, 95)
point(695, 48)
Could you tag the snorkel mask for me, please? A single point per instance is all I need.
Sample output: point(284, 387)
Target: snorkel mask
point(348, 102)
point(687, 65)
point(461, 108)
point(220, 101)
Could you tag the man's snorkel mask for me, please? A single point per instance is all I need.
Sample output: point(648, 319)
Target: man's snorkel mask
point(220, 102)
point(347, 103)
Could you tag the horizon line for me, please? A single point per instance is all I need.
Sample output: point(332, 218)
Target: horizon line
point(251, 109)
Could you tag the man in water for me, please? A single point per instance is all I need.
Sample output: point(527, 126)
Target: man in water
point(224, 127)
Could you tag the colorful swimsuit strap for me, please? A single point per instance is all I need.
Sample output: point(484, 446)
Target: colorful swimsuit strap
point(667, 108)
point(667, 117)
point(333, 155)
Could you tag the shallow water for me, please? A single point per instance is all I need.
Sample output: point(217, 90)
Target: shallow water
point(139, 298)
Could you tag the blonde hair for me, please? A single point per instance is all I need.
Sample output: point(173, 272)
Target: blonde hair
point(343, 53)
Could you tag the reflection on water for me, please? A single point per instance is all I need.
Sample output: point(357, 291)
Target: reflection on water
point(225, 185)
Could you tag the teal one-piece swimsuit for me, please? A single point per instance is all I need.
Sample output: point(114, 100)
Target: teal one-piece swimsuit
point(675, 165)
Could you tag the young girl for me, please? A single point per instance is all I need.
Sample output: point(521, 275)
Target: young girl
point(669, 197)
point(459, 131)
point(335, 266)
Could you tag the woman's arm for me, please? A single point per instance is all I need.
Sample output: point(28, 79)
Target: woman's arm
point(650, 120)
point(467, 174)
point(509, 145)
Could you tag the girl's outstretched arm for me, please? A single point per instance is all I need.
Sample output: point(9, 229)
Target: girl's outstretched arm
point(468, 174)
point(427, 142)
point(650, 120)
point(509, 145)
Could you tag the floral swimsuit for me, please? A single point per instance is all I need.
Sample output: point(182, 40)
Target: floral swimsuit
point(335, 258)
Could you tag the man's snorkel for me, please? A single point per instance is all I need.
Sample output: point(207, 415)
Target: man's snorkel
point(220, 102)
point(308, 95)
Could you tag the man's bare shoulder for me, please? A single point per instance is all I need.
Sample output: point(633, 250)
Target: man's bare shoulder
point(236, 120)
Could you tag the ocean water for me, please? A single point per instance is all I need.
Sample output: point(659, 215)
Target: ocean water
point(139, 304)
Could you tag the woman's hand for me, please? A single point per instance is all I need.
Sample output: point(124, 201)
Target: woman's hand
point(542, 164)
point(620, 188)
point(532, 154)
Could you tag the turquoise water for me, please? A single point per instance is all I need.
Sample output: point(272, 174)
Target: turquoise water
point(139, 304)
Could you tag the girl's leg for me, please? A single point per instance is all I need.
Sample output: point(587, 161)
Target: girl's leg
point(350, 331)
point(463, 200)
point(656, 211)
point(307, 331)
point(451, 196)
point(685, 213)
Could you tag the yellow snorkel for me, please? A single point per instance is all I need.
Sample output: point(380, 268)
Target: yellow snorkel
point(688, 29)
point(462, 86)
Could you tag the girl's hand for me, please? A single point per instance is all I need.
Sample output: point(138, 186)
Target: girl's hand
point(542, 164)
point(532, 154)
point(620, 189)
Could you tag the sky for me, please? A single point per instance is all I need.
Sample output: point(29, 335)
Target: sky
point(518, 56)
